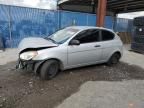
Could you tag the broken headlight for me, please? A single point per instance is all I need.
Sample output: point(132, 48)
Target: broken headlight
point(28, 55)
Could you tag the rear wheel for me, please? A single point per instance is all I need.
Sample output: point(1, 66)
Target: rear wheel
point(114, 59)
point(49, 70)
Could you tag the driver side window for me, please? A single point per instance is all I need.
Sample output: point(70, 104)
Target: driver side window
point(88, 36)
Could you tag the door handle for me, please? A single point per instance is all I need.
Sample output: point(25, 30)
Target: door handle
point(97, 46)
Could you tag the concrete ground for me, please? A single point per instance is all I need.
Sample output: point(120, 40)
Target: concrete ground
point(133, 58)
point(125, 94)
point(9, 55)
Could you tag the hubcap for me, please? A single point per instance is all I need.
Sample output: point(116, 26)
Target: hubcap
point(115, 59)
point(53, 70)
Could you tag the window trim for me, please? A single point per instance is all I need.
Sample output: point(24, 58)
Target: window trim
point(107, 31)
point(87, 30)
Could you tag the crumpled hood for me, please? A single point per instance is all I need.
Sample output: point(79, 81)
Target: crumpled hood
point(34, 43)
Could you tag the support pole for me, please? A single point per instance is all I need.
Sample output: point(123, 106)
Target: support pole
point(115, 21)
point(10, 26)
point(101, 12)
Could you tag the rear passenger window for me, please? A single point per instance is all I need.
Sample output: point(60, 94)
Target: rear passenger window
point(107, 35)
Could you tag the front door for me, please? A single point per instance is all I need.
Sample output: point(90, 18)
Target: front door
point(89, 50)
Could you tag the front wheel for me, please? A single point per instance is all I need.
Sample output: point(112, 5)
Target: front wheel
point(49, 70)
point(114, 59)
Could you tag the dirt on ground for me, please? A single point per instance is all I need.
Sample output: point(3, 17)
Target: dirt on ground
point(25, 90)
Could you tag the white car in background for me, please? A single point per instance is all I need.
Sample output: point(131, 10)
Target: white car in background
point(68, 48)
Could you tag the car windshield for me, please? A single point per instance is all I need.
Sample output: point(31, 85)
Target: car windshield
point(63, 35)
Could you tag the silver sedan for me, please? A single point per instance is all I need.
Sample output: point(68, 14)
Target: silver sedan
point(68, 48)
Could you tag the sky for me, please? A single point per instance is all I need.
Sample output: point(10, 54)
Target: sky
point(51, 4)
point(131, 15)
point(43, 4)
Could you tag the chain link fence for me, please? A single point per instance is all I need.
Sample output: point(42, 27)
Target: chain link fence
point(17, 23)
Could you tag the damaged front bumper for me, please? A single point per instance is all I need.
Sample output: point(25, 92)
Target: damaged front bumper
point(30, 65)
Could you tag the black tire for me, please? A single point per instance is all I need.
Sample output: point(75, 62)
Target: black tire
point(49, 70)
point(139, 21)
point(114, 59)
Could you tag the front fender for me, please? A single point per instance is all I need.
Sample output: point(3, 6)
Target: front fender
point(38, 65)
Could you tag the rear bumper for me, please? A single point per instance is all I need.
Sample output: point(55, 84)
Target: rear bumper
point(30, 65)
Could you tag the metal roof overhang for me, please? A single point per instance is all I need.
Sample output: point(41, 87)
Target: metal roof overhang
point(115, 6)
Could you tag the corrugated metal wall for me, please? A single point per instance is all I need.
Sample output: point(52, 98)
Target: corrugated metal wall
point(17, 23)
point(82, 19)
point(124, 25)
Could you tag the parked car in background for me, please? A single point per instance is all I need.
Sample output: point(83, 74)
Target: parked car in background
point(71, 47)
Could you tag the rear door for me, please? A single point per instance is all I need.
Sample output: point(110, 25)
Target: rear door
point(89, 50)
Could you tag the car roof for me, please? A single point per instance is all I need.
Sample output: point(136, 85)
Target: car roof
point(89, 27)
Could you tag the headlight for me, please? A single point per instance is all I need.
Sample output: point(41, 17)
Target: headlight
point(28, 55)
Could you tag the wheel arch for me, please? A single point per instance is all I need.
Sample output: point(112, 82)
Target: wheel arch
point(116, 51)
point(38, 66)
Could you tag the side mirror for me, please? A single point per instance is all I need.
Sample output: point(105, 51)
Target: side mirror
point(74, 42)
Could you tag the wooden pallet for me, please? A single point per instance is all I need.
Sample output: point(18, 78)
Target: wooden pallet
point(125, 37)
